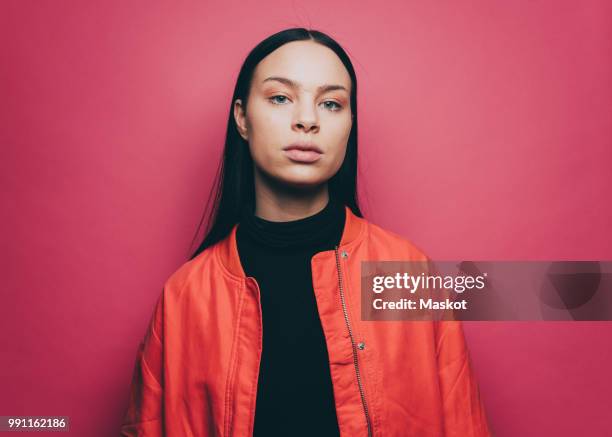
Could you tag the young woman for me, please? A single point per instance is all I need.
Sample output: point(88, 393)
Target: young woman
point(259, 333)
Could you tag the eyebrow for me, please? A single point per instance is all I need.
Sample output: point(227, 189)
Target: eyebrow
point(293, 84)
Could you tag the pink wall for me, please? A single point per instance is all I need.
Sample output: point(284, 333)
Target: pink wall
point(485, 133)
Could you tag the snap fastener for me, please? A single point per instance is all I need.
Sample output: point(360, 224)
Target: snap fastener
point(361, 346)
point(344, 254)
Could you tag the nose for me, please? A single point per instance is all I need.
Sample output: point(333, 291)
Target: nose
point(306, 118)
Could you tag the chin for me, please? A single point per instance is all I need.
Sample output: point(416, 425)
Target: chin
point(303, 180)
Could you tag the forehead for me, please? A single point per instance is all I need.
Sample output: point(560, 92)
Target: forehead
point(306, 62)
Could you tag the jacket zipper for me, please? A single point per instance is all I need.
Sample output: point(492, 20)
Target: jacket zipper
point(230, 432)
point(252, 425)
point(355, 358)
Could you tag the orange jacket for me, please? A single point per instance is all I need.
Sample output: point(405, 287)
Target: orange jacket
point(197, 367)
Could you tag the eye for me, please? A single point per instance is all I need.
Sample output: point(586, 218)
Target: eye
point(275, 99)
point(335, 106)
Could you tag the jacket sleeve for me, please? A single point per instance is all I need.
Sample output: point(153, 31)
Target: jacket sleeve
point(144, 415)
point(463, 409)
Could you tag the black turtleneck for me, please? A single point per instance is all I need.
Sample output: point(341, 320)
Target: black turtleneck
point(294, 392)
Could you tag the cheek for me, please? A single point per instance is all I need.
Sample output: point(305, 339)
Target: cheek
point(267, 129)
point(266, 115)
point(339, 136)
point(339, 125)
point(339, 156)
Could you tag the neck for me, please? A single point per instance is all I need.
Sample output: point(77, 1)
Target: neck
point(280, 203)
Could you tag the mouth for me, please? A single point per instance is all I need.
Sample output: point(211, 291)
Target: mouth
point(303, 152)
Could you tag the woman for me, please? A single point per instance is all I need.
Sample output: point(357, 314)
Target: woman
point(259, 332)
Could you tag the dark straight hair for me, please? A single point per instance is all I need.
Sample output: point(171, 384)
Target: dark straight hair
point(233, 188)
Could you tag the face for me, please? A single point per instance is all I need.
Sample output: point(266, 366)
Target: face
point(300, 96)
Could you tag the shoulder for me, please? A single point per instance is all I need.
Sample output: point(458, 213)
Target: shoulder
point(190, 272)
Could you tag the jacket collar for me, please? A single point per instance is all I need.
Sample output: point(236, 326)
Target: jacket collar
point(227, 249)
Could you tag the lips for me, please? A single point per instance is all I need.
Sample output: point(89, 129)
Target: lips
point(303, 152)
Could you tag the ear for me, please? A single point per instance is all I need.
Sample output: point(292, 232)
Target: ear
point(240, 117)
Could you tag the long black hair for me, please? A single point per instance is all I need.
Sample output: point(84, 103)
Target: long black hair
point(234, 183)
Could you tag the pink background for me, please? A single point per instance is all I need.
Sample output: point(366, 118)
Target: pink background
point(485, 133)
